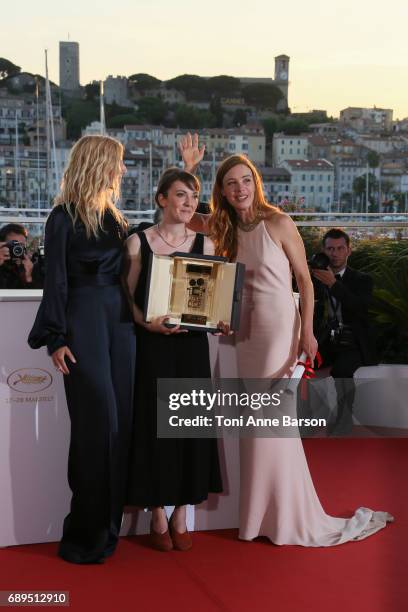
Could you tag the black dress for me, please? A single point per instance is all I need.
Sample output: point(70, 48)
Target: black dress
point(84, 307)
point(168, 472)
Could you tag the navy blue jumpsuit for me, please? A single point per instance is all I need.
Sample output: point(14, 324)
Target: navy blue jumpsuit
point(84, 307)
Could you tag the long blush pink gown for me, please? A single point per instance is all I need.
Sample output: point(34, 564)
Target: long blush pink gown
point(277, 495)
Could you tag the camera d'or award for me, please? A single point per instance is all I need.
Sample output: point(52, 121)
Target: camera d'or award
point(195, 291)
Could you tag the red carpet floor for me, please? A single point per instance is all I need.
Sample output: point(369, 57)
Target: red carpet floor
point(221, 573)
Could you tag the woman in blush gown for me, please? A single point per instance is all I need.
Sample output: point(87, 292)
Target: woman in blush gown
point(277, 495)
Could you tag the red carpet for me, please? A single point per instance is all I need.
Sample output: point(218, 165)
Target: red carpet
point(221, 573)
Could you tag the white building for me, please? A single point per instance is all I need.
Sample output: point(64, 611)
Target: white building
point(346, 171)
point(24, 179)
point(313, 180)
point(288, 147)
point(69, 65)
point(276, 184)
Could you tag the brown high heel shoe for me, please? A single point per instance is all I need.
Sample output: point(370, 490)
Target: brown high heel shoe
point(181, 541)
point(160, 541)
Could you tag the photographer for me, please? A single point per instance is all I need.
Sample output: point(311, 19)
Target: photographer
point(341, 320)
point(17, 270)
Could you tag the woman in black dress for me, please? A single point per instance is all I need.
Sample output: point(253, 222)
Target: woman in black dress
point(85, 322)
point(168, 472)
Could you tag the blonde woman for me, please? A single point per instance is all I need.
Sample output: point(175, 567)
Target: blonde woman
point(85, 323)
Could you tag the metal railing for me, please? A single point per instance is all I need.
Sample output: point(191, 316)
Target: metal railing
point(36, 218)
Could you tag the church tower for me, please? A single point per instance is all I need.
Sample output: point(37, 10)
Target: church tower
point(282, 75)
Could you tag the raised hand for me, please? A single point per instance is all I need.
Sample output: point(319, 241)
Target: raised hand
point(191, 153)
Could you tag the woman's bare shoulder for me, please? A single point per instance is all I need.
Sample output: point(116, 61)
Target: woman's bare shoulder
point(278, 219)
point(133, 244)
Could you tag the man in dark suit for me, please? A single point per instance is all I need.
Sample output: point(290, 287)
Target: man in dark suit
point(341, 322)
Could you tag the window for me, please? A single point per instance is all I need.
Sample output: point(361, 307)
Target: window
point(320, 189)
point(311, 188)
point(303, 190)
point(282, 151)
point(312, 177)
point(320, 177)
point(290, 151)
point(329, 189)
point(303, 177)
point(328, 200)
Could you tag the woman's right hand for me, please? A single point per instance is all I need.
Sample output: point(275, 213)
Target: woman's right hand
point(58, 359)
point(191, 153)
point(158, 326)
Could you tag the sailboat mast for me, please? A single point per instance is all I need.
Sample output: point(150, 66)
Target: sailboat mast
point(38, 148)
point(101, 109)
point(51, 121)
point(47, 137)
point(16, 168)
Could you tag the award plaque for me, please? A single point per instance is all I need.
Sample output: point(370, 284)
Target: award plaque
point(195, 291)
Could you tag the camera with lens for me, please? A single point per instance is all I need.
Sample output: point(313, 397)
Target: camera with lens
point(319, 261)
point(17, 249)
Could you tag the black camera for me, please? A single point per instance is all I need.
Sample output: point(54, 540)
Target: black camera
point(319, 261)
point(17, 249)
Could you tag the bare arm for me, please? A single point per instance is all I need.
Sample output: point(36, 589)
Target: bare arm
point(133, 267)
point(283, 230)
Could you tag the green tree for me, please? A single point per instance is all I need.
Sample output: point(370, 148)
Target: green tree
point(7, 68)
point(118, 121)
point(143, 82)
point(373, 159)
point(92, 91)
point(224, 85)
point(239, 118)
point(193, 86)
point(79, 114)
point(217, 110)
point(359, 188)
point(262, 95)
point(270, 126)
point(193, 118)
point(152, 110)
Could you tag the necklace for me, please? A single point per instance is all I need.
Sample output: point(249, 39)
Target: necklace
point(248, 227)
point(173, 246)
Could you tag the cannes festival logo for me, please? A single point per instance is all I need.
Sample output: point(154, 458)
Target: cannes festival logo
point(29, 380)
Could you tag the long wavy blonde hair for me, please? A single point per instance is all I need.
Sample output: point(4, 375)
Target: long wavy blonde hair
point(91, 182)
point(224, 219)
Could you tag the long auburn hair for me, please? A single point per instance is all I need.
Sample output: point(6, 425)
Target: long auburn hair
point(91, 182)
point(224, 219)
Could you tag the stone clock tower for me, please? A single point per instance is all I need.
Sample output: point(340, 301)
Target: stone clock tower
point(282, 74)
